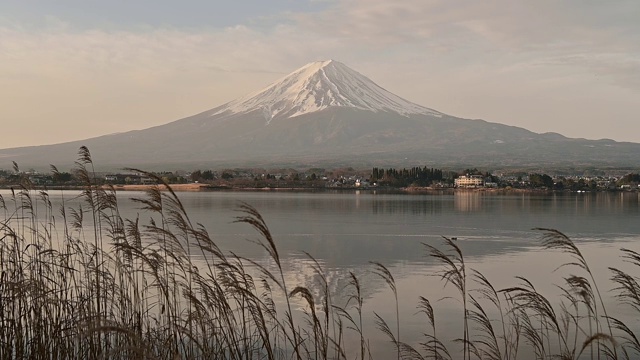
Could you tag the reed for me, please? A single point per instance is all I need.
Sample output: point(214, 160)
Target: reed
point(83, 282)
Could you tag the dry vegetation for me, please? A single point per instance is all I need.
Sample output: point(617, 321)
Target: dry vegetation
point(127, 290)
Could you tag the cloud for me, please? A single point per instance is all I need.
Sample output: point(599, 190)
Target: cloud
point(464, 31)
point(460, 57)
point(620, 68)
point(538, 29)
point(510, 24)
point(82, 83)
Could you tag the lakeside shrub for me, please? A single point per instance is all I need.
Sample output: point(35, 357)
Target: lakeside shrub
point(82, 282)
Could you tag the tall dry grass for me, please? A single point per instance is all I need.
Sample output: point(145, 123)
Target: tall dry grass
point(82, 282)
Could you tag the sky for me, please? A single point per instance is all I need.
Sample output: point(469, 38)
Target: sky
point(74, 69)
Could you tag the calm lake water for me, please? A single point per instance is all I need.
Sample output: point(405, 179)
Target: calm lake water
point(344, 231)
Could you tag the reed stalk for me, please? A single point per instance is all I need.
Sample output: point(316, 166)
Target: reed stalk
point(87, 283)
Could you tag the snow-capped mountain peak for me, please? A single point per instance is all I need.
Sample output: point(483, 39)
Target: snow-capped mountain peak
point(321, 85)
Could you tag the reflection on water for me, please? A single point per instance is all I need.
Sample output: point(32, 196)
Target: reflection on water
point(467, 201)
point(345, 231)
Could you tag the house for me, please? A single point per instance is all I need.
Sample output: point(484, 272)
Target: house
point(38, 179)
point(469, 181)
point(128, 179)
point(146, 180)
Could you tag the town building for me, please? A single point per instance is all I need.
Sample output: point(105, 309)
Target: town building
point(469, 181)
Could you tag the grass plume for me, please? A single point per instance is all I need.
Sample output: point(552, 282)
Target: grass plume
point(83, 282)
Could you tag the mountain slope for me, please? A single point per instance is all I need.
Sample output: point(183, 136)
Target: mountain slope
point(327, 114)
point(318, 86)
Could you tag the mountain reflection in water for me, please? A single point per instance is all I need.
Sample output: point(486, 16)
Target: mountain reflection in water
point(345, 231)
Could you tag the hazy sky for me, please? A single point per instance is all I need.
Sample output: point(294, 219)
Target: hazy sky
point(73, 69)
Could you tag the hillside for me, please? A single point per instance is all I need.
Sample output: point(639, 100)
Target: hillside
point(328, 114)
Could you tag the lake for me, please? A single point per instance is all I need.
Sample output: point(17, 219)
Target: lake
point(345, 231)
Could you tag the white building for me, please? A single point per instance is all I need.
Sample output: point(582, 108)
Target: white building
point(469, 181)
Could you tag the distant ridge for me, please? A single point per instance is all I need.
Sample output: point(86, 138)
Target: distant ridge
point(328, 114)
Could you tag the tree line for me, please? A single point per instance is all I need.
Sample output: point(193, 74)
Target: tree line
point(417, 176)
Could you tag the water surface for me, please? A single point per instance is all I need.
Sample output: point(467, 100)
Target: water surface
point(345, 231)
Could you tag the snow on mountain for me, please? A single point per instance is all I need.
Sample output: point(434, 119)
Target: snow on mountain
point(320, 85)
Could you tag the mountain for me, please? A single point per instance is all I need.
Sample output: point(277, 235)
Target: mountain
point(318, 86)
point(326, 114)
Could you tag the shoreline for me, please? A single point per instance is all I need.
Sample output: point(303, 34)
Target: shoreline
point(174, 187)
point(403, 190)
point(192, 187)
